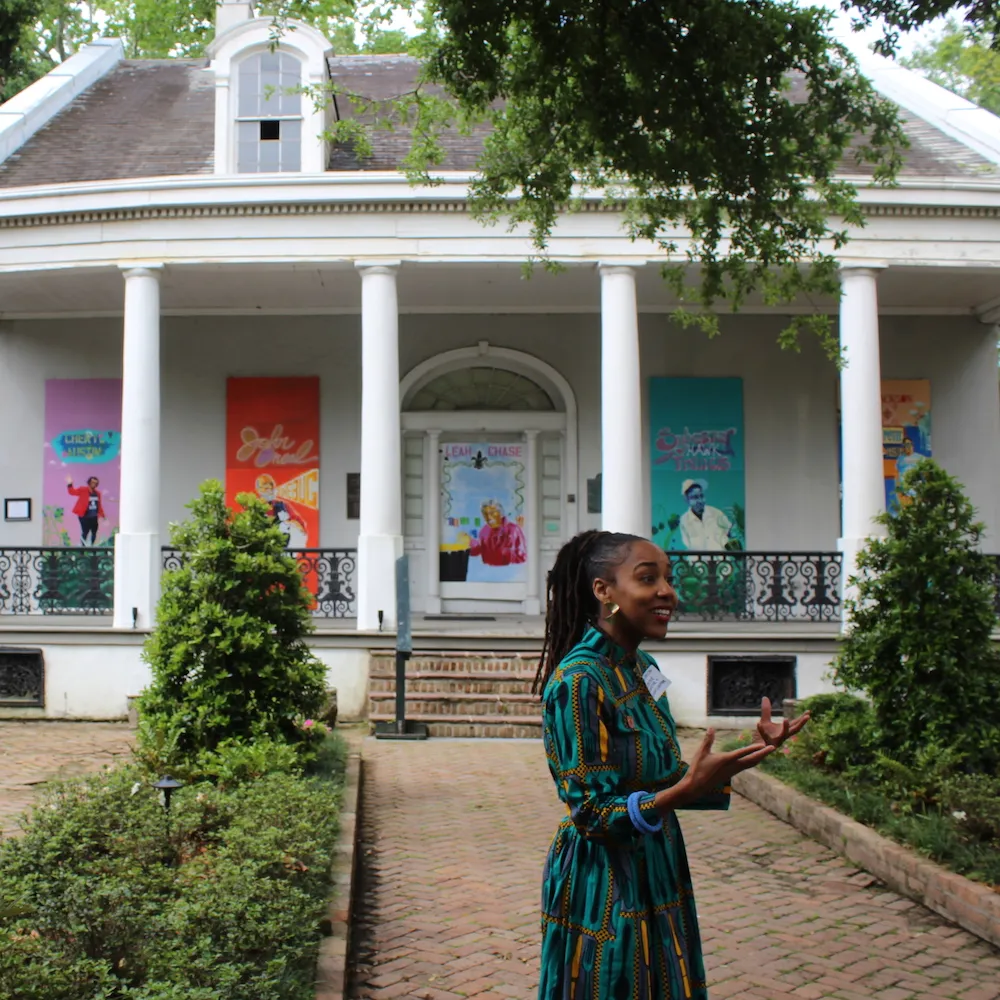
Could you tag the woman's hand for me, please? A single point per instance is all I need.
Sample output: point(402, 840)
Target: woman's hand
point(708, 771)
point(775, 733)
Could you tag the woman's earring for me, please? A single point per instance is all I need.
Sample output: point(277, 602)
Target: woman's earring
point(610, 610)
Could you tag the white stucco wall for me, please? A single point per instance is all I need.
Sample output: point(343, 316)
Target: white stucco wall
point(685, 664)
point(92, 676)
point(790, 400)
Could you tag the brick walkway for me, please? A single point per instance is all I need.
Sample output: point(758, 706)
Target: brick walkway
point(33, 752)
point(454, 835)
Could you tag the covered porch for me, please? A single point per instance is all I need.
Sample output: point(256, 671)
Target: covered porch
point(390, 340)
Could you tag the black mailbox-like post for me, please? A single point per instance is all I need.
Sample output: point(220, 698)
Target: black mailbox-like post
point(401, 729)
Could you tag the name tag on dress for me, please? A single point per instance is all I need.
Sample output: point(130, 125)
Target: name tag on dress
point(655, 682)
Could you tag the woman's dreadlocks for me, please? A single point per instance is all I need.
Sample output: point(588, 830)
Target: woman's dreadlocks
point(569, 599)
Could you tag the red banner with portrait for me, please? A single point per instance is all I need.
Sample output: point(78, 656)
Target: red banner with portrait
point(272, 449)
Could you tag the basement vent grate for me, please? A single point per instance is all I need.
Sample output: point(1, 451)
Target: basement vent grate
point(736, 684)
point(22, 678)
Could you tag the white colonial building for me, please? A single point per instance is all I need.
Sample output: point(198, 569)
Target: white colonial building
point(171, 228)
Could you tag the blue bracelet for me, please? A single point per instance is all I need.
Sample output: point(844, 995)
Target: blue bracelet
point(637, 820)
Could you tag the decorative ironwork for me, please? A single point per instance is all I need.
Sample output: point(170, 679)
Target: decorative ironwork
point(758, 586)
point(328, 573)
point(736, 684)
point(57, 581)
point(22, 678)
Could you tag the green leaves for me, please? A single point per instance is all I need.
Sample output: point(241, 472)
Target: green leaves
point(229, 656)
point(728, 164)
point(920, 644)
point(963, 61)
point(98, 900)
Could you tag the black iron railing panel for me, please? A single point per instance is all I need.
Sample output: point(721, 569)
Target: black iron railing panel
point(758, 586)
point(327, 573)
point(57, 581)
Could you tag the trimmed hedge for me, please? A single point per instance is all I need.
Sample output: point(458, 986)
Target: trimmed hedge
point(98, 899)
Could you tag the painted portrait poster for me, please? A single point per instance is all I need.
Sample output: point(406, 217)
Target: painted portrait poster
point(697, 464)
point(82, 462)
point(272, 449)
point(482, 510)
point(906, 432)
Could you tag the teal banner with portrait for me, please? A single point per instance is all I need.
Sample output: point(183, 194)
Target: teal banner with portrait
point(697, 464)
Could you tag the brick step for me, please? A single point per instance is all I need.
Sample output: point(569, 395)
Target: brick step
point(480, 727)
point(518, 664)
point(450, 684)
point(521, 706)
point(389, 673)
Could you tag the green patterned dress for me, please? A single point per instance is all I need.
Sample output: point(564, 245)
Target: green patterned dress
point(618, 912)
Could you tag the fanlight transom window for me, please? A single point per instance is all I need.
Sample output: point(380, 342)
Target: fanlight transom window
point(481, 388)
point(269, 119)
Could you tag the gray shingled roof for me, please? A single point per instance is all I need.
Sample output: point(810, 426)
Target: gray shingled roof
point(151, 118)
point(146, 118)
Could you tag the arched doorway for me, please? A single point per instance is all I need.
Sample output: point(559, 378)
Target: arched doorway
point(489, 474)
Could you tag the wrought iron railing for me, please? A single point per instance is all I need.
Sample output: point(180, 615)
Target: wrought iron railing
point(57, 581)
point(328, 573)
point(712, 586)
point(758, 586)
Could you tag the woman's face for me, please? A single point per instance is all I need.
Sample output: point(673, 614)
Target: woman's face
point(643, 590)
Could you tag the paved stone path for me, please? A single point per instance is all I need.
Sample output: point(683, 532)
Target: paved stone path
point(33, 752)
point(454, 835)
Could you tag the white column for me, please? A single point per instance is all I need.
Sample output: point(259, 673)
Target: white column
point(381, 530)
point(432, 520)
point(532, 522)
point(860, 415)
point(621, 412)
point(137, 544)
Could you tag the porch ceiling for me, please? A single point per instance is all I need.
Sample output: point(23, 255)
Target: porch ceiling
point(487, 287)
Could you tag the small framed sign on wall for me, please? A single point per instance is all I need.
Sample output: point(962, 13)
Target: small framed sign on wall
point(353, 496)
point(17, 509)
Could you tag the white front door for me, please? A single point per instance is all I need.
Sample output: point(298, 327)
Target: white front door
point(484, 510)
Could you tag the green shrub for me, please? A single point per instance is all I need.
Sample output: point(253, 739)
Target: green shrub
point(842, 733)
point(100, 898)
point(973, 800)
point(228, 655)
point(920, 641)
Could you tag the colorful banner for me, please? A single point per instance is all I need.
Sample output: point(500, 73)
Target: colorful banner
point(697, 464)
point(482, 510)
point(272, 449)
point(906, 432)
point(82, 461)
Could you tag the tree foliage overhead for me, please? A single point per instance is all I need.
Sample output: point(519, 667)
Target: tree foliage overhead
point(725, 120)
point(897, 17)
point(17, 18)
point(963, 62)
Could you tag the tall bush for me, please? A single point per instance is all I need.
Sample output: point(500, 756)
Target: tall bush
point(228, 655)
point(920, 639)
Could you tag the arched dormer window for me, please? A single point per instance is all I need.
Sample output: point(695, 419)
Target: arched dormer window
point(269, 114)
point(263, 123)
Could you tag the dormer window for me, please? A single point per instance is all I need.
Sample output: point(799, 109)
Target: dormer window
point(269, 119)
point(263, 121)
